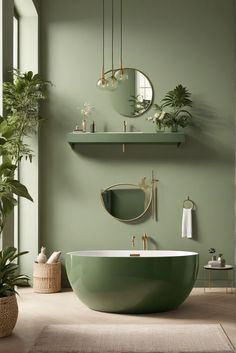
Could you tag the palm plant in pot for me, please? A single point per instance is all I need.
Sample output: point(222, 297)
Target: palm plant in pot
point(21, 119)
point(172, 112)
point(9, 278)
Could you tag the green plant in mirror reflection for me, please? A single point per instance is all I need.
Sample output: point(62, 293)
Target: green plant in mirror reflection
point(172, 111)
point(139, 104)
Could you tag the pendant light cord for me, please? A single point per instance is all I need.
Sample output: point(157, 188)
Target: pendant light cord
point(103, 38)
point(121, 33)
point(112, 37)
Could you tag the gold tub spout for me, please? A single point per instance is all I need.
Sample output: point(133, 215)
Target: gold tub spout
point(145, 241)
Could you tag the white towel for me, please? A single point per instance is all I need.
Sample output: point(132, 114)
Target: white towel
point(187, 223)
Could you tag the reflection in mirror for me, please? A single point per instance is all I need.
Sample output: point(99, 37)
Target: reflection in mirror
point(127, 202)
point(133, 97)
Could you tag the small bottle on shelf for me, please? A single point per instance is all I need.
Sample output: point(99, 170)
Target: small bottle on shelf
point(93, 127)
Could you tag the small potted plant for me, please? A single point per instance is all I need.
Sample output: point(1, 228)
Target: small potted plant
point(172, 112)
point(85, 111)
point(9, 278)
point(158, 118)
point(212, 251)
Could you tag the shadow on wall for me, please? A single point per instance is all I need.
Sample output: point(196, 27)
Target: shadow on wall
point(201, 144)
point(194, 150)
point(203, 137)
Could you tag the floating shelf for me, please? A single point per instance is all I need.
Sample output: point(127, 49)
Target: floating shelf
point(126, 138)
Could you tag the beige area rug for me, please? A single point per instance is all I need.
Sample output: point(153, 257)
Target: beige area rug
point(132, 338)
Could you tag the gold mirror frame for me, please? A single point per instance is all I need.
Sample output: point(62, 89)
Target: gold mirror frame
point(118, 109)
point(142, 186)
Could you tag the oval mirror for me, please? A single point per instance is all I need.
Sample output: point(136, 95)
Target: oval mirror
point(127, 202)
point(134, 96)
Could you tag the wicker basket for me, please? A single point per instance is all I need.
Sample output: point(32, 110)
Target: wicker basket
point(8, 315)
point(47, 277)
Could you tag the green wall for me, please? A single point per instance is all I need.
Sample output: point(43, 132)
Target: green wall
point(172, 41)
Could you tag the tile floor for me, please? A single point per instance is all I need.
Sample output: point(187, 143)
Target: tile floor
point(38, 310)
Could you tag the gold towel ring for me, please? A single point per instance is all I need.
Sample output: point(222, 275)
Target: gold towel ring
point(191, 201)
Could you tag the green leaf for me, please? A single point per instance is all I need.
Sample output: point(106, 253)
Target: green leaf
point(182, 111)
point(19, 189)
point(7, 169)
point(7, 203)
point(19, 254)
point(177, 98)
point(2, 140)
point(9, 276)
point(6, 254)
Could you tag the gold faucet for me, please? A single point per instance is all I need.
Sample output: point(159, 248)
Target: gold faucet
point(145, 241)
point(133, 242)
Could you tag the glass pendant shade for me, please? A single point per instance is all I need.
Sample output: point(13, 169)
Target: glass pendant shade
point(121, 75)
point(112, 83)
point(102, 83)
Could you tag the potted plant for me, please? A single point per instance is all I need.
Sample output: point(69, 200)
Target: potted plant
point(9, 278)
point(212, 251)
point(158, 118)
point(21, 119)
point(176, 101)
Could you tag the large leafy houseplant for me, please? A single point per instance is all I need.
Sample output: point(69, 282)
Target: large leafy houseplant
point(20, 101)
point(21, 119)
point(172, 112)
point(9, 277)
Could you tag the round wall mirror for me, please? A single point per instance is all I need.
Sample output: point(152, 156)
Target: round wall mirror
point(134, 96)
point(127, 202)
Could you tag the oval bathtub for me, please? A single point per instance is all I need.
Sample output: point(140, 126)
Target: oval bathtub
point(113, 281)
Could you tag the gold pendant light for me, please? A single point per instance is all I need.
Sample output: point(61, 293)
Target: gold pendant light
point(112, 81)
point(102, 83)
point(121, 74)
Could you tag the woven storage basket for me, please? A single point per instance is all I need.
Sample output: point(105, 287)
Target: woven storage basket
point(8, 315)
point(47, 277)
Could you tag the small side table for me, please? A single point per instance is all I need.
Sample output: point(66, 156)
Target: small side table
point(227, 269)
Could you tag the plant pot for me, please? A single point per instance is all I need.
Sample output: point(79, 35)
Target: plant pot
point(160, 128)
point(47, 277)
point(8, 315)
point(174, 128)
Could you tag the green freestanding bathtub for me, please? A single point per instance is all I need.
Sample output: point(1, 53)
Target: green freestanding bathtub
point(121, 281)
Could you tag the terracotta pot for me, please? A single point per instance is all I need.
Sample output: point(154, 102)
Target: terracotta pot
point(8, 315)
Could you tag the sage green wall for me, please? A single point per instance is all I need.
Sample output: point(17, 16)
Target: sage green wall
point(120, 99)
point(180, 41)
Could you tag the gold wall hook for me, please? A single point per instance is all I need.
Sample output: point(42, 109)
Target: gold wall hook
point(145, 241)
point(191, 201)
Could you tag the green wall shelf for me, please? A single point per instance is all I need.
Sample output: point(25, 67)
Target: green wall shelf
point(125, 138)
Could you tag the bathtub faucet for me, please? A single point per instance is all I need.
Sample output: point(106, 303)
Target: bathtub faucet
point(145, 241)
